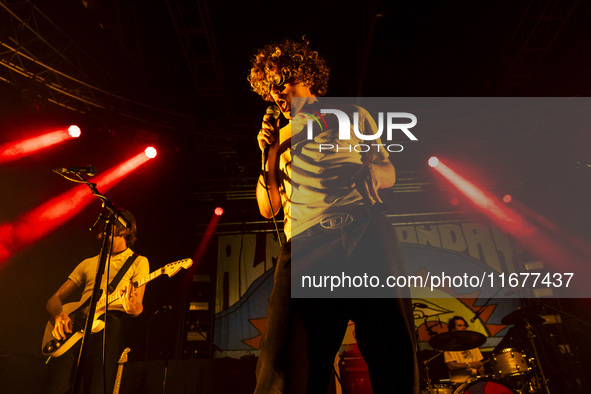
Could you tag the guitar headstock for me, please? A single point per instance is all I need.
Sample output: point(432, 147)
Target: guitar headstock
point(123, 358)
point(172, 268)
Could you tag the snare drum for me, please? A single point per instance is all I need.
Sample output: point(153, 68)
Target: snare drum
point(441, 389)
point(510, 363)
point(484, 386)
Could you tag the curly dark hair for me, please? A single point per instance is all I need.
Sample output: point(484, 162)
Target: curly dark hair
point(288, 61)
point(451, 325)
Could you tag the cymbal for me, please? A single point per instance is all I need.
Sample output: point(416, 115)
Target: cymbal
point(521, 315)
point(456, 341)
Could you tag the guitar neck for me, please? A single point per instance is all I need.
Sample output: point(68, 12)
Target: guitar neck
point(103, 302)
point(122, 361)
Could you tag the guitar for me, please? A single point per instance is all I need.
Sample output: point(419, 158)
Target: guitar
point(122, 360)
point(79, 310)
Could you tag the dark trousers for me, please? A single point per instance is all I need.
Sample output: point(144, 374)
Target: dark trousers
point(302, 336)
point(60, 370)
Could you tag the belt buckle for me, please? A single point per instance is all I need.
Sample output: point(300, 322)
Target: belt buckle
point(336, 221)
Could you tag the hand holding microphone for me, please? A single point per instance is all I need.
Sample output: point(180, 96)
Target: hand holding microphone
point(266, 135)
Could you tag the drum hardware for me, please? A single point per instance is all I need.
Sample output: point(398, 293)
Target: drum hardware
point(440, 389)
point(531, 336)
point(526, 317)
point(533, 386)
point(428, 355)
point(431, 387)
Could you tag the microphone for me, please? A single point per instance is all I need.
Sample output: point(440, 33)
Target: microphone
point(88, 170)
point(274, 111)
point(478, 312)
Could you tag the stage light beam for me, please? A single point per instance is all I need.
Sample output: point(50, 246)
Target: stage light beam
point(481, 199)
point(18, 149)
point(205, 241)
point(538, 240)
point(37, 223)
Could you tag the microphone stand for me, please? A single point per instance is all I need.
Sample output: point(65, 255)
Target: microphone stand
point(105, 252)
point(482, 307)
point(424, 378)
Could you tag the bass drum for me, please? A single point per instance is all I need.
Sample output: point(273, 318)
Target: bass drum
point(484, 386)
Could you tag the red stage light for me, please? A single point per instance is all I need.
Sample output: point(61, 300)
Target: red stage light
point(454, 201)
point(481, 199)
point(433, 161)
point(202, 247)
point(151, 152)
point(218, 211)
point(18, 149)
point(39, 222)
point(74, 131)
point(537, 239)
point(507, 198)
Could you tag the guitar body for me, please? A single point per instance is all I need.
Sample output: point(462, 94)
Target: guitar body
point(78, 311)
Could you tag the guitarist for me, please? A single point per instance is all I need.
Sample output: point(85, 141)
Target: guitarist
point(60, 377)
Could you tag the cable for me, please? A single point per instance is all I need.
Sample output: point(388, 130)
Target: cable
point(265, 173)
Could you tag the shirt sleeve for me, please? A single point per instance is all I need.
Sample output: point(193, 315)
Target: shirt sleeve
point(78, 276)
point(141, 268)
point(476, 354)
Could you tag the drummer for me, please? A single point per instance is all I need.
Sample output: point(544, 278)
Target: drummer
point(463, 365)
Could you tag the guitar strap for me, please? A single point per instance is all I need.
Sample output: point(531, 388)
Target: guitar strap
point(122, 271)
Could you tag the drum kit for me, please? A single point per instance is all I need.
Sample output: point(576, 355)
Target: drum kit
point(513, 371)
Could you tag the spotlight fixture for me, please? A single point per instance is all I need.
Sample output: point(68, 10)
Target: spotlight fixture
point(151, 152)
point(74, 131)
point(433, 161)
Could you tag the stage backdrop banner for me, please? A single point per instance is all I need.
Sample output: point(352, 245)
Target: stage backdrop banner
point(246, 267)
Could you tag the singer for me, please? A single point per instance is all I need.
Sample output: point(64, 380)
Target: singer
point(303, 335)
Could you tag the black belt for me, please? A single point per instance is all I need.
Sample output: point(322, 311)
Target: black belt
point(341, 219)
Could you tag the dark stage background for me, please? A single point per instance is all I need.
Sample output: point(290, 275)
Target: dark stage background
point(190, 99)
